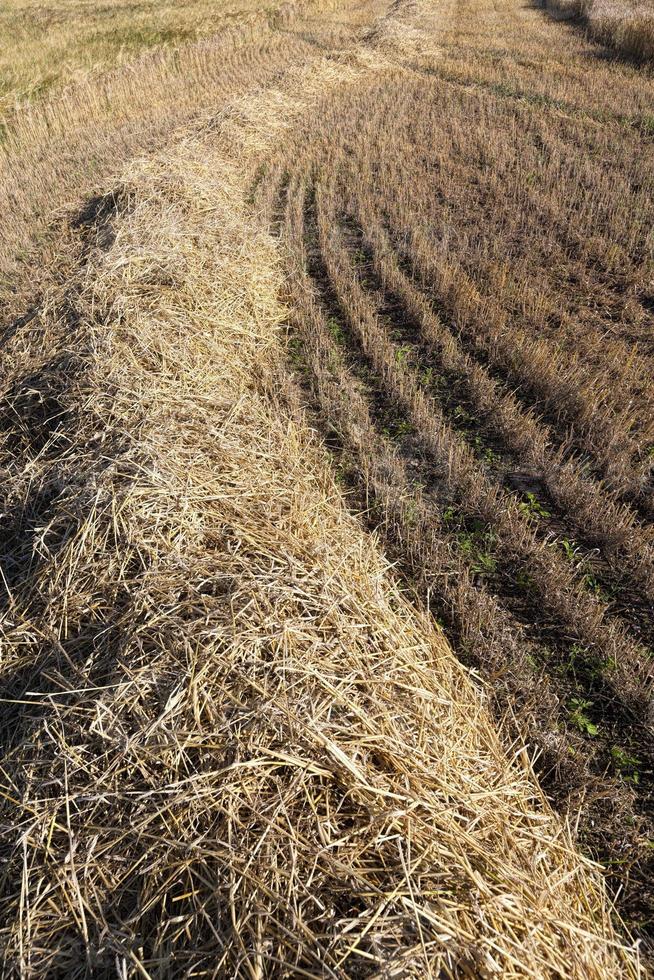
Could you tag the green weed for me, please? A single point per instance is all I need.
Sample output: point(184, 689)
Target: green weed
point(577, 709)
point(627, 765)
point(336, 330)
point(477, 548)
point(403, 353)
point(570, 549)
point(532, 507)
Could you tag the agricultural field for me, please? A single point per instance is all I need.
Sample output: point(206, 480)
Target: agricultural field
point(327, 522)
point(474, 296)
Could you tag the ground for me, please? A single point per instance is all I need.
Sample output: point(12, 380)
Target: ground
point(327, 434)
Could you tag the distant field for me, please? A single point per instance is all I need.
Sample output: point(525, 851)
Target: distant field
point(45, 45)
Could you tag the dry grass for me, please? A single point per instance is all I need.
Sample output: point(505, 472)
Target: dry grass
point(237, 747)
point(231, 744)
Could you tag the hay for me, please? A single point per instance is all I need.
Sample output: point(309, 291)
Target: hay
point(232, 747)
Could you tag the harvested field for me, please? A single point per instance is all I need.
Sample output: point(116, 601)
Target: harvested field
point(327, 443)
point(471, 278)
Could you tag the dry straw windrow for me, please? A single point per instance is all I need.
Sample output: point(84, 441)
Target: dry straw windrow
point(231, 745)
point(626, 25)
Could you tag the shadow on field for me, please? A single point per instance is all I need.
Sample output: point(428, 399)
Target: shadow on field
point(53, 457)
